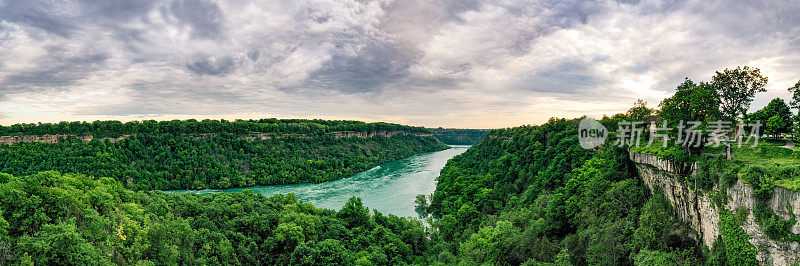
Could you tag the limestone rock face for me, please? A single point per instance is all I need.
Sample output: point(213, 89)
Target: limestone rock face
point(699, 212)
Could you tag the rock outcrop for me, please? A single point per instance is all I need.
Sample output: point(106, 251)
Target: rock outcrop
point(52, 138)
point(263, 136)
point(698, 210)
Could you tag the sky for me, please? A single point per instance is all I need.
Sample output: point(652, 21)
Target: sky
point(461, 63)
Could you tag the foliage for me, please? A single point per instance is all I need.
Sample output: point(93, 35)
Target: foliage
point(49, 218)
point(457, 136)
point(691, 102)
point(550, 200)
point(670, 152)
point(715, 170)
point(766, 152)
point(173, 161)
point(774, 226)
point(737, 88)
point(738, 249)
point(764, 177)
point(100, 129)
point(655, 224)
point(795, 90)
point(776, 117)
point(640, 111)
point(656, 258)
point(795, 104)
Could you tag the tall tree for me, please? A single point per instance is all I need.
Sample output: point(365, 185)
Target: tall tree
point(737, 88)
point(640, 111)
point(692, 102)
point(795, 103)
point(795, 90)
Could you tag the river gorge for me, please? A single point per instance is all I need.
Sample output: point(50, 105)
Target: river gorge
point(390, 188)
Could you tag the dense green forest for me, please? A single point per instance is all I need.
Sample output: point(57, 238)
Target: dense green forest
point(168, 155)
point(532, 195)
point(72, 219)
point(192, 126)
point(458, 136)
point(523, 195)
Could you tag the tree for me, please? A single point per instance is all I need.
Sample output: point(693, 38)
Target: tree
point(422, 205)
point(354, 214)
point(776, 116)
point(795, 103)
point(655, 224)
point(691, 102)
point(795, 90)
point(776, 125)
point(640, 111)
point(737, 88)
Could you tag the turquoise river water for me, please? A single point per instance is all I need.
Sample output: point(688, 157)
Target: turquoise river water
point(390, 188)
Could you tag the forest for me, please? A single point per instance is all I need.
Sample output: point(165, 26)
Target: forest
point(112, 128)
point(523, 195)
point(531, 195)
point(458, 136)
point(170, 154)
point(72, 219)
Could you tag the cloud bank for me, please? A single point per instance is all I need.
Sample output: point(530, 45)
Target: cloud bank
point(432, 63)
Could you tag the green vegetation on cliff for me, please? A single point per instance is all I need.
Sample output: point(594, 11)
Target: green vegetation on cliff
point(191, 126)
point(533, 195)
point(457, 136)
point(171, 154)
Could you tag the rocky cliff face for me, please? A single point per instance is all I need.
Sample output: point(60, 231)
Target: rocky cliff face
point(52, 138)
point(10, 140)
point(701, 214)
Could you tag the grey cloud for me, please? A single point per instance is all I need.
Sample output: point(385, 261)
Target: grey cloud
point(374, 66)
point(566, 78)
point(64, 18)
point(204, 17)
point(41, 15)
point(212, 66)
point(60, 70)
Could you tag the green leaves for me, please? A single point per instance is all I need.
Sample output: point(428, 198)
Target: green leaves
point(738, 249)
point(737, 88)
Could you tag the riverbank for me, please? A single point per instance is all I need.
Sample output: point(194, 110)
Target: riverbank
point(390, 188)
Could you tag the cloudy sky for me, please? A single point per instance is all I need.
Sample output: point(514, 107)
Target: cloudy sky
point(432, 63)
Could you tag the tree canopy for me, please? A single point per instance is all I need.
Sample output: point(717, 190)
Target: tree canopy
point(776, 117)
point(737, 88)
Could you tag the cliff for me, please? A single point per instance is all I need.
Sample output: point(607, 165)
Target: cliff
point(10, 140)
point(697, 209)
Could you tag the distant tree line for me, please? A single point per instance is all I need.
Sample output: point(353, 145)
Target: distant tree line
point(192, 126)
point(457, 136)
point(165, 155)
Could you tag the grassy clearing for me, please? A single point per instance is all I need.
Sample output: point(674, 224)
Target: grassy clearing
point(770, 163)
point(767, 152)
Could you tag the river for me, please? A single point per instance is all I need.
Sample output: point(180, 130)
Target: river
point(390, 188)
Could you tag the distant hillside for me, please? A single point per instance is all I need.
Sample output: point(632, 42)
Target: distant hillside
point(210, 153)
point(458, 136)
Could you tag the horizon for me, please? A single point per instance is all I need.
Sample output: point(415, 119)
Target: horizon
point(452, 64)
